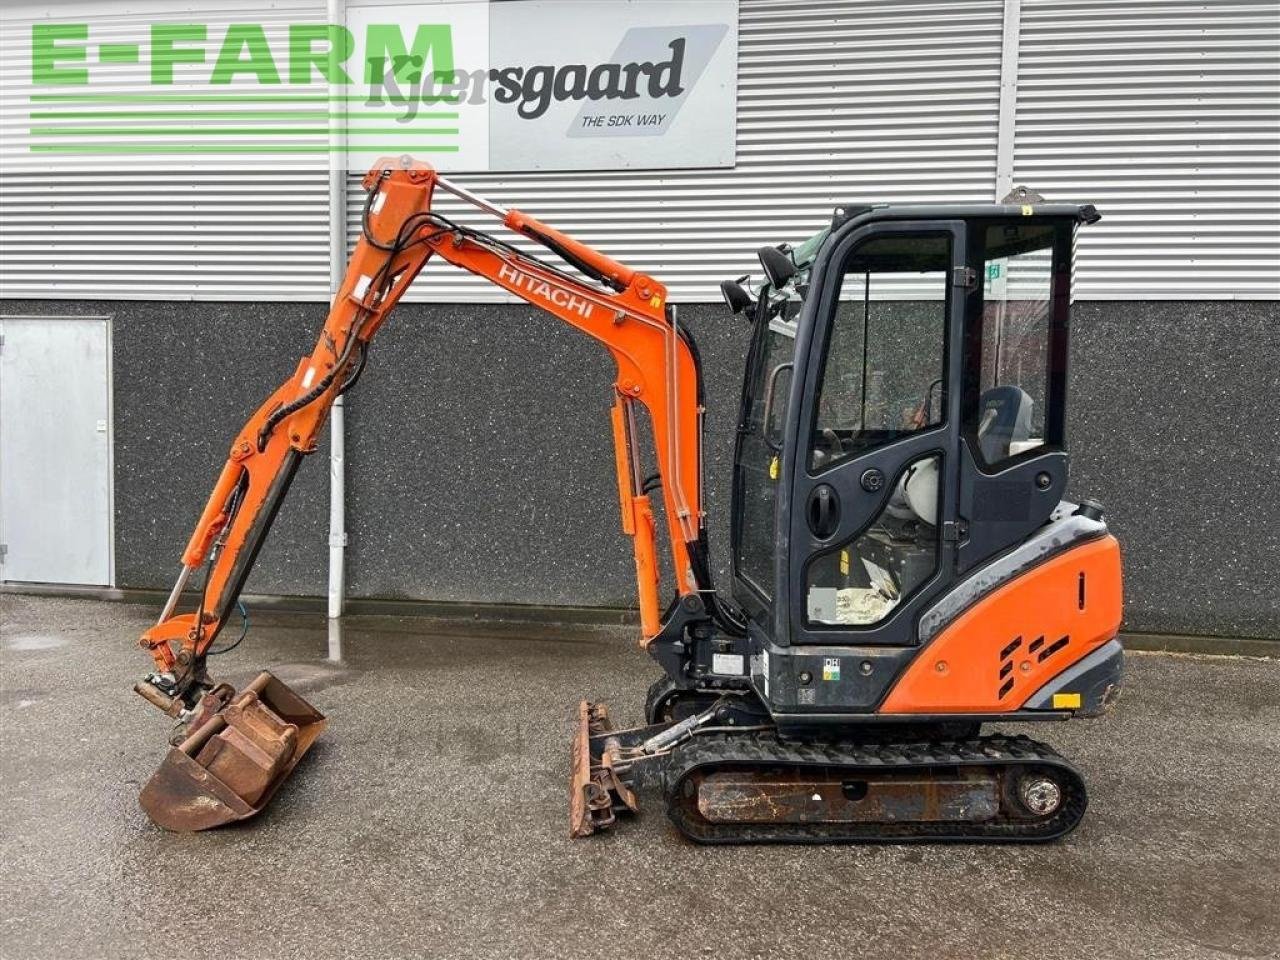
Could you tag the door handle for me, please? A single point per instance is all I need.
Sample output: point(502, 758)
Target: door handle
point(824, 511)
point(766, 417)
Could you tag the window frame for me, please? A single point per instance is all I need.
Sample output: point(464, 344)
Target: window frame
point(826, 325)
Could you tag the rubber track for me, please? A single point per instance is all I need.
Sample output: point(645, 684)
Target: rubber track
point(1001, 754)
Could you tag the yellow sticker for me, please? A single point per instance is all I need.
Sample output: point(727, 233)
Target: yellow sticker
point(1067, 701)
point(773, 469)
point(844, 563)
point(1026, 210)
point(656, 301)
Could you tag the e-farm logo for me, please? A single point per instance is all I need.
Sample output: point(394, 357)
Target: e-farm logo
point(239, 82)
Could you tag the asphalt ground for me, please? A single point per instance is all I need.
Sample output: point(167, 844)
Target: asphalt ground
point(430, 820)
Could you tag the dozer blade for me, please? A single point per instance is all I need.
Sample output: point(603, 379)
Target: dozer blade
point(230, 766)
point(596, 791)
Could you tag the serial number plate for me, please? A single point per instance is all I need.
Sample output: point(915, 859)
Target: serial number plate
point(729, 663)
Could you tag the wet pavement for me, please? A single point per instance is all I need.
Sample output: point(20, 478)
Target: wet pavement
point(430, 820)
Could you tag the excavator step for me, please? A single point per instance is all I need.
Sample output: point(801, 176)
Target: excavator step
point(232, 762)
point(757, 788)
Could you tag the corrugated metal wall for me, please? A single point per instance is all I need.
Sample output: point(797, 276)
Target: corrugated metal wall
point(94, 228)
point(141, 236)
point(836, 101)
point(1167, 116)
point(1163, 113)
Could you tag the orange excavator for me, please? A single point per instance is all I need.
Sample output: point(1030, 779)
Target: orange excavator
point(905, 565)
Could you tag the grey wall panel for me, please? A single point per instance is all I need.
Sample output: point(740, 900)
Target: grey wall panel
point(481, 459)
point(1174, 428)
point(495, 480)
point(186, 379)
point(480, 465)
point(184, 387)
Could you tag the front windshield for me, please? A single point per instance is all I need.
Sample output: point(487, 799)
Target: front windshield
point(804, 255)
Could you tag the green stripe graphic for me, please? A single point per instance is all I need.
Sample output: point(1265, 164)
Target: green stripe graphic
point(319, 113)
point(151, 148)
point(232, 131)
point(87, 98)
point(268, 117)
point(117, 53)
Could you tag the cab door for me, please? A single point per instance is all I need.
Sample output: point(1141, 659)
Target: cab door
point(757, 462)
point(873, 433)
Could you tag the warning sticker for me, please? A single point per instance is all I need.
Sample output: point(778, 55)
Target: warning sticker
point(831, 668)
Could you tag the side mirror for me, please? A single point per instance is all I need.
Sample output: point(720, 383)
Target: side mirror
point(778, 267)
point(737, 299)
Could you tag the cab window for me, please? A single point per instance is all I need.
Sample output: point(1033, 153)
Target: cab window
point(758, 469)
point(884, 368)
point(1014, 355)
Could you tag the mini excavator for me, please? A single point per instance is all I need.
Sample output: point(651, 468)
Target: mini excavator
point(905, 566)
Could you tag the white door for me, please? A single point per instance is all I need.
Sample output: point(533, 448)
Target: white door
point(55, 450)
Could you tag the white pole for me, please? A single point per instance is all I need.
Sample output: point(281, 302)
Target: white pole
point(335, 15)
point(337, 511)
point(1008, 97)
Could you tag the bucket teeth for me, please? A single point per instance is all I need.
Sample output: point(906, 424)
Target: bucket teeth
point(596, 791)
point(232, 763)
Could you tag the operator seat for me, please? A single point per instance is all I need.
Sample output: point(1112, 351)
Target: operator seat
point(1004, 418)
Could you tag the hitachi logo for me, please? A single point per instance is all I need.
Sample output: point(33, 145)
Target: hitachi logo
point(540, 288)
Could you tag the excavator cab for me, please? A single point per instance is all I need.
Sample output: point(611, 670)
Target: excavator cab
point(903, 555)
point(905, 427)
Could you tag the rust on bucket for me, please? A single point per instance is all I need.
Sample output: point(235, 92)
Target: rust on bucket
point(232, 763)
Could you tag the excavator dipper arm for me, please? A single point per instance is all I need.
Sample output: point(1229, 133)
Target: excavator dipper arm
point(627, 313)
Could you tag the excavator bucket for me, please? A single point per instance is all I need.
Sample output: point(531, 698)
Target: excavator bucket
point(238, 752)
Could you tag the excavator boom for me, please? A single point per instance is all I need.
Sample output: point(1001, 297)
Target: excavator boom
point(233, 749)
